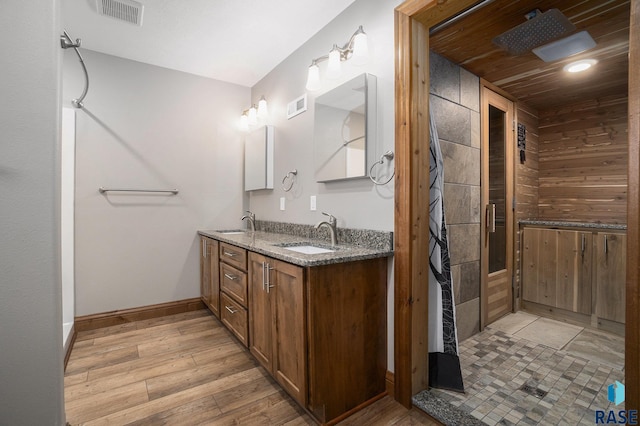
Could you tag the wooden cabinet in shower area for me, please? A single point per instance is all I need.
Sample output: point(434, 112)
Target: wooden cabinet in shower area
point(575, 275)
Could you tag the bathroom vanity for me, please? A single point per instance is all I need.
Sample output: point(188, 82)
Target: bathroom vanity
point(313, 315)
point(575, 272)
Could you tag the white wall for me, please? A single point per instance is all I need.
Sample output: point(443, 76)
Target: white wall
point(67, 221)
point(356, 203)
point(148, 127)
point(31, 385)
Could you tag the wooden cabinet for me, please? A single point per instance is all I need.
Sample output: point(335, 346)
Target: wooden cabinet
point(556, 268)
point(320, 331)
point(610, 275)
point(568, 272)
point(277, 318)
point(346, 323)
point(233, 291)
point(209, 279)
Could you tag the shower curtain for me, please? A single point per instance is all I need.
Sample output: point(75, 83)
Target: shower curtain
point(444, 363)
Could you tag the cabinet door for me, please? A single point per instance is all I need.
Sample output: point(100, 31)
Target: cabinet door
point(573, 275)
point(611, 266)
point(539, 266)
point(214, 282)
point(260, 312)
point(289, 345)
point(205, 270)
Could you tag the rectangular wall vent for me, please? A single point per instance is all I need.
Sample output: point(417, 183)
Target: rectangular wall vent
point(124, 10)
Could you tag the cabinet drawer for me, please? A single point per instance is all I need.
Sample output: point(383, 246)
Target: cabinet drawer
point(233, 255)
point(234, 317)
point(234, 283)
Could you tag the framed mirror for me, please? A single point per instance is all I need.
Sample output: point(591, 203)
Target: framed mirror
point(258, 159)
point(344, 130)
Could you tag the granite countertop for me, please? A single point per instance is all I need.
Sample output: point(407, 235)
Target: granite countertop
point(588, 225)
point(271, 244)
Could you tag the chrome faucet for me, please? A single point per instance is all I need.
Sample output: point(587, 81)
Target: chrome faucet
point(332, 227)
point(252, 220)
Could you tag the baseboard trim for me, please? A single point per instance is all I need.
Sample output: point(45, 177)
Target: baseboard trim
point(355, 409)
point(108, 319)
point(67, 353)
point(390, 382)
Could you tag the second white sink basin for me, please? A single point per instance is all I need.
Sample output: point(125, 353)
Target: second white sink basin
point(309, 249)
point(232, 232)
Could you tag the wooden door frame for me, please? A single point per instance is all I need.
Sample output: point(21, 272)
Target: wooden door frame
point(509, 164)
point(413, 18)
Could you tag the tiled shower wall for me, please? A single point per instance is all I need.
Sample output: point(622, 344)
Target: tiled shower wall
point(455, 103)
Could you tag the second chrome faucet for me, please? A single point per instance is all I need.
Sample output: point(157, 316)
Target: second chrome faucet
point(251, 218)
point(331, 224)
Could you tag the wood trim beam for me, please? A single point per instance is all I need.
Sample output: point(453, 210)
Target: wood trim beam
point(632, 329)
point(411, 209)
point(403, 254)
point(413, 18)
point(107, 319)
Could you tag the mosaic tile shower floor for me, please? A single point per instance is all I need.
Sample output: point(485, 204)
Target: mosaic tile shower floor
point(567, 380)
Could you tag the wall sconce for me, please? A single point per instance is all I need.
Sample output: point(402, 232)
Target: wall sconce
point(251, 117)
point(356, 48)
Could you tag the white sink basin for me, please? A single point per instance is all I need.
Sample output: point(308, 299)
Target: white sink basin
point(309, 249)
point(232, 232)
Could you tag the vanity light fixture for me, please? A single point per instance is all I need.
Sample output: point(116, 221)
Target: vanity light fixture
point(579, 66)
point(254, 115)
point(356, 48)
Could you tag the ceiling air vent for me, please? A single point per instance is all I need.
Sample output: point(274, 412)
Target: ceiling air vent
point(124, 10)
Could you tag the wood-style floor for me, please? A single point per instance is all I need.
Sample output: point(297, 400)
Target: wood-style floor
point(186, 369)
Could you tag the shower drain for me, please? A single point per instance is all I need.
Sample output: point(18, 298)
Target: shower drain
point(537, 392)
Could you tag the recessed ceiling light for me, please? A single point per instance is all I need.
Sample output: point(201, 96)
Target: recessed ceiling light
point(578, 66)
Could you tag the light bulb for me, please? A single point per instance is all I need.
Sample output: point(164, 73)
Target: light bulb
point(244, 122)
point(579, 66)
point(313, 77)
point(262, 108)
point(253, 116)
point(360, 48)
point(333, 67)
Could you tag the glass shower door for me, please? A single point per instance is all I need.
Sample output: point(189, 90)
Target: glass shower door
point(497, 194)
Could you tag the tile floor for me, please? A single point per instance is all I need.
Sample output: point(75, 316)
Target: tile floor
point(568, 366)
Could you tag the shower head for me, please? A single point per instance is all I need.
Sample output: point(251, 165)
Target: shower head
point(539, 29)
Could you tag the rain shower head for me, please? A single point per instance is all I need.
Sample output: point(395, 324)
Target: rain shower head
point(541, 29)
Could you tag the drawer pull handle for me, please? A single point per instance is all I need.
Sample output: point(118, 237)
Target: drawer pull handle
point(230, 309)
point(583, 244)
point(231, 277)
point(606, 245)
point(230, 253)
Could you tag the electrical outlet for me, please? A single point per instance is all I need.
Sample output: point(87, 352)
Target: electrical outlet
point(312, 202)
point(281, 203)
